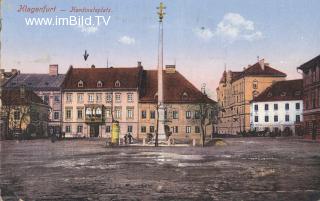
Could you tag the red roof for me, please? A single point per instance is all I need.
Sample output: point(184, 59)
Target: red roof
point(13, 97)
point(177, 89)
point(129, 78)
point(282, 91)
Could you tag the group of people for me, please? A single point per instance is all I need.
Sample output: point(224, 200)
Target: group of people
point(128, 137)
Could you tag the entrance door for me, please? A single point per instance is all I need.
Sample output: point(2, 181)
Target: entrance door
point(94, 130)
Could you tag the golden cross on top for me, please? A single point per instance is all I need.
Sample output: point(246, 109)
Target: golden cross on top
point(161, 12)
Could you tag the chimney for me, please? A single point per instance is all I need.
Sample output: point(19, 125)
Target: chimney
point(22, 91)
point(93, 66)
point(170, 68)
point(261, 62)
point(139, 64)
point(14, 71)
point(53, 69)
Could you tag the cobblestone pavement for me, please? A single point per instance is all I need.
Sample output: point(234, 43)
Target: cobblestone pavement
point(245, 169)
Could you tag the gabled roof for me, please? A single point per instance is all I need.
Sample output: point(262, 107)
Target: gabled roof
point(311, 63)
point(129, 78)
point(176, 89)
point(13, 97)
point(282, 91)
point(258, 70)
point(36, 82)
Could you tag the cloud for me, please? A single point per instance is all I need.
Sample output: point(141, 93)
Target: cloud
point(88, 29)
point(127, 40)
point(203, 33)
point(44, 59)
point(235, 27)
point(232, 27)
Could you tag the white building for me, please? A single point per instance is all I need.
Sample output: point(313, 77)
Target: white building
point(278, 108)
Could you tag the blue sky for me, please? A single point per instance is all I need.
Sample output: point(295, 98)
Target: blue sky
point(200, 36)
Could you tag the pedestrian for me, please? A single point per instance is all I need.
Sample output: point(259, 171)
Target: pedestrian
point(125, 138)
point(130, 138)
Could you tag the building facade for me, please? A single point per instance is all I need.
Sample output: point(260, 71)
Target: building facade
point(26, 113)
point(278, 109)
point(93, 98)
point(311, 96)
point(182, 103)
point(47, 87)
point(237, 89)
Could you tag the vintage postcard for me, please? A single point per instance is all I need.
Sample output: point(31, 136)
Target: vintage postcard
point(159, 100)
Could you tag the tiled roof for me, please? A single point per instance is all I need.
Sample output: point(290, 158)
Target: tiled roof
point(129, 78)
point(310, 64)
point(282, 91)
point(177, 89)
point(12, 97)
point(257, 70)
point(37, 82)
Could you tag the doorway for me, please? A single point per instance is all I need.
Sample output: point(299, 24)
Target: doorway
point(94, 130)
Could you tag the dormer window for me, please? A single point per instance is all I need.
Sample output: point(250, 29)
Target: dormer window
point(184, 96)
point(283, 93)
point(155, 96)
point(297, 93)
point(80, 84)
point(99, 84)
point(269, 94)
point(117, 83)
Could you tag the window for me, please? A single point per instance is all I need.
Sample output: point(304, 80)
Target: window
point(297, 118)
point(79, 129)
point(152, 114)
point(118, 97)
point(69, 97)
point(80, 98)
point(108, 112)
point(130, 113)
point(185, 96)
point(255, 84)
point(287, 106)
point(99, 84)
point(175, 129)
point(16, 115)
point(256, 107)
point(266, 107)
point(175, 114)
point(99, 97)
point(46, 99)
point(297, 106)
point(79, 113)
point(151, 129)
point(188, 114)
point(130, 97)
point(117, 83)
point(275, 106)
point(129, 129)
point(88, 112)
point(56, 98)
point(197, 114)
point(188, 129)
point(56, 115)
point(68, 113)
point(90, 98)
point(68, 129)
point(275, 118)
point(108, 129)
point(256, 118)
point(143, 114)
point(118, 112)
point(98, 112)
point(80, 84)
point(287, 118)
point(197, 129)
point(143, 129)
point(266, 118)
point(108, 97)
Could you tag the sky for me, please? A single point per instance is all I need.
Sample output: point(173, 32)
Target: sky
point(200, 36)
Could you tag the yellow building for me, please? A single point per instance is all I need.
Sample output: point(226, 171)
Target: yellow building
point(237, 89)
